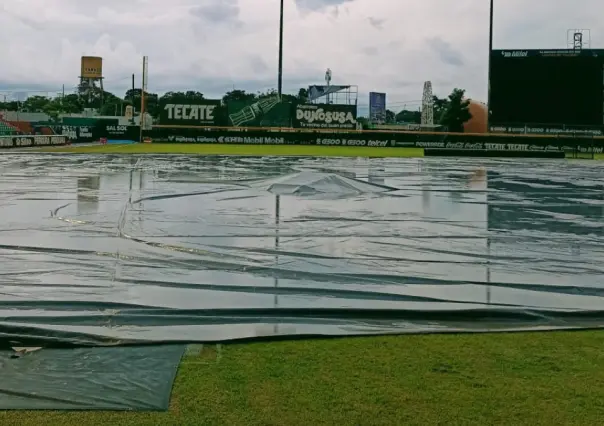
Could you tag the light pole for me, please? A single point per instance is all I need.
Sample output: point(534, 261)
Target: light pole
point(280, 72)
point(489, 66)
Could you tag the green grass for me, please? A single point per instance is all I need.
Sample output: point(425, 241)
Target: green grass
point(489, 379)
point(253, 150)
point(261, 150)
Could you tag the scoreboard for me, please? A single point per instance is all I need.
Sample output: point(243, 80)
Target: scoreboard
point(547, 87)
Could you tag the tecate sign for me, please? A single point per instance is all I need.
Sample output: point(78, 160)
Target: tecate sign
point(190, 112)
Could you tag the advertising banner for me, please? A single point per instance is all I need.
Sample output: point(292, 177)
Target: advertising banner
point(205, 112)
point(456, 144)
point(269, 111)
point(31, 141)
point(77, 133)
point(121, 133)
point(325, 116)
point(377, 107)
point(536, 129)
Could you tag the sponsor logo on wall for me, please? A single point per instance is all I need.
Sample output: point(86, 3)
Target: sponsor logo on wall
point(540, 130)
point(354, 142)
point(252, 140)
point(326, 116)
point(77, 133)
point(31, 141)
point(402, 140)
point(117, 131)
point(487, 146)
point(189, 114)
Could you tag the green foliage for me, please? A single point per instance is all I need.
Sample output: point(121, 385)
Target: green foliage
point(133, 97)
point(454, 111)
point(237, 95)
point(364, 122)
point(390, 116)
point(407, 116)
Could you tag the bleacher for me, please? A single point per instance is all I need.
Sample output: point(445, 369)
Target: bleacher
point(23, 126)
point(7, 129)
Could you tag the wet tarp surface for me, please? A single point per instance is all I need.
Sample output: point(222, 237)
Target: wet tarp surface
point(116, 249)
point(90, 378)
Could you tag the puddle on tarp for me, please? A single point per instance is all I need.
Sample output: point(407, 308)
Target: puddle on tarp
point(113, 249)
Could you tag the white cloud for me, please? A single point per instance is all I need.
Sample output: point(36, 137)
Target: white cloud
point(213, 45)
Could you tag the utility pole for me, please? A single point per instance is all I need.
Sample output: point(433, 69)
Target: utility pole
point(489, 66)
point(280, 75)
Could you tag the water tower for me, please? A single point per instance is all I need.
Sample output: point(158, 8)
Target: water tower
point(91, 78)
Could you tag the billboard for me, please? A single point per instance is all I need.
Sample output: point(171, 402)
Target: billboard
point(325, 116)
point(91, 67)
point(377, 107)
point(186, 112)
point(269, 111)
point(547, 87)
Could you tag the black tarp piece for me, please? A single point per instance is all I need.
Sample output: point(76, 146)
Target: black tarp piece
point(109, 250)
point(137, 378)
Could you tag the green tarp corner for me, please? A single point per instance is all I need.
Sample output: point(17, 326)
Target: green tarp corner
point(133, 378)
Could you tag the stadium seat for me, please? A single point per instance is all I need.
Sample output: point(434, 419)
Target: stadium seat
point(7, 130)
point(22, 126)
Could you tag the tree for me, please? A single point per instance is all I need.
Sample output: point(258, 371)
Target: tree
point(180, 97)
point(268, 94)
point(35, 104)
point(440, 106)
point(364, 122)
point(71, 104)
point(10, 106)
point(407, 116)
point(457, 111)
point(237, 95)
point(390, 116)
point(133, 97)
point(302, 95)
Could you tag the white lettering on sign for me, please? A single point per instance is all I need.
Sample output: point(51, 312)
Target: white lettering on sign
point(351, 142)
point(325, 116)
point(430, 144)
point(515, 54)
point(190, 112)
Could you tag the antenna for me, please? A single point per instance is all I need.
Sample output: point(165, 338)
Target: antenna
point(578, 39)
point(328, 82)
point(427, 105)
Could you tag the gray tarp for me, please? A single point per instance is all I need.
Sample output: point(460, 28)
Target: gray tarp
point(106, 249)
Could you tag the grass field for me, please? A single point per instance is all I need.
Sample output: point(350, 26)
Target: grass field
point(253, 150)
point(548, 379)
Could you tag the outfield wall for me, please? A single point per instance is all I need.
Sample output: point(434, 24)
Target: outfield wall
point(433, 143)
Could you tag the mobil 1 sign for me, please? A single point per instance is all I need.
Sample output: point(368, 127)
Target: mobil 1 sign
point(325, 116)
point(189, 113)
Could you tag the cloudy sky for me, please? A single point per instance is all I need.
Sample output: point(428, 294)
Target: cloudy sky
point(391, 46)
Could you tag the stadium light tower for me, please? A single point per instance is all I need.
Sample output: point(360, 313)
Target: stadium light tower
point(280, 72)
point(489, 66)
